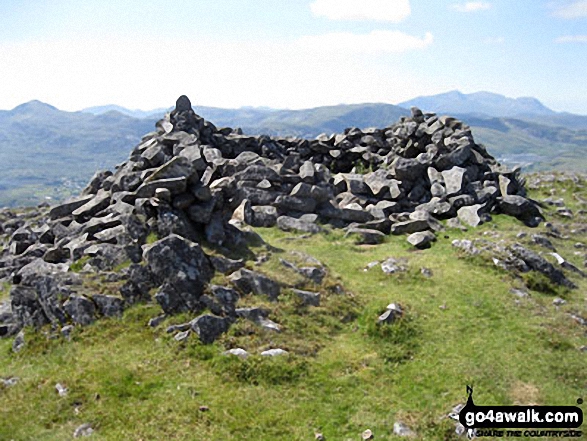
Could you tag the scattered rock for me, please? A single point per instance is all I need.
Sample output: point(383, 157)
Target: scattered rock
point(83, 430)
point(274, 353)
point(391, 314)
point(392, 266)
point(367, 435)
point(237, 352)
point(61, 390)
point(247, 281)
point(209, 327)
point(400, 429)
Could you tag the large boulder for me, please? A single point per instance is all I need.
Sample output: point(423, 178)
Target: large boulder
point(182, 270)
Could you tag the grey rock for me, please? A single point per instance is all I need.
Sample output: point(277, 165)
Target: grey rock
point(421, 240)
point(392, 266)
point(19, 342)
point(225, 265)
point(472, 215)
point(247, 281)
point(174, 185)
point(274, 352)
point(181, 336)
point(209, 327)
point(538, 263)
point(454, 180)
point(80, 309)
point(108, 306)
point(307, 298)
point(83, 431)
point(156, 321)
point(521, 208)
point(98, 203)
point(264, 216)
point(61, 390)
point(182, 269)
point(287, 223)
point(237, 352)
point(409, 227)
point(367, 236)
point(400, 429)
point(68, 207)
point(543, 241)
point(392, 313)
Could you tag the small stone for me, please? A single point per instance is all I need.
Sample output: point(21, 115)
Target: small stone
point(558, 301)
point(156, 321)
point(182, 336)
point(66, 331)
point(371, 265)
point(367, 434)
point(10, 381)
point(18, 343)
point(237, 352)
point(391, 314)
point(61, 390)
point(203, 408)
point(319, 437)
point(83, 430)
point(400, 429)
point(392, 266)
point(274, 352)
point(307, 298)
point(426, 272)
point(519, 293)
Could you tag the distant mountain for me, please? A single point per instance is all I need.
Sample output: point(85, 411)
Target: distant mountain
point(100, 110)
point(479, 103)
point(46, 152)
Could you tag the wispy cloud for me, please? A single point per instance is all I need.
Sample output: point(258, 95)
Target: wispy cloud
point(572, 39)
point(575, 9)
point(471, 6)
point(393, 11)
point(372, 43)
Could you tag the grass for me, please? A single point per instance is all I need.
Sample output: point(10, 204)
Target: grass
point(344, 373)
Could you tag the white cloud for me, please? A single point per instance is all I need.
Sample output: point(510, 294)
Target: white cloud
point(471, 6)
point(393, 11)
point(572, 39)
point(372, 43)
point(576, 9)
point(146, 74)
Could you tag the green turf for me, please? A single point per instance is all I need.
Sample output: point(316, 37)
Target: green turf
point(344, 373)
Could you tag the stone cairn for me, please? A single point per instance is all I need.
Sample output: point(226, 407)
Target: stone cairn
point(189, 182)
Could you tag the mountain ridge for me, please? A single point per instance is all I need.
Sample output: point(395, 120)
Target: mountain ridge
point(48, 152)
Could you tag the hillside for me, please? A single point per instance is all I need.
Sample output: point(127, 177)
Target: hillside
point(48, 152)
point(467, 321)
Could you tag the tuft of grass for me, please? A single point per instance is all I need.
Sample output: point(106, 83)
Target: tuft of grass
point(151, 238)
point(78, 265)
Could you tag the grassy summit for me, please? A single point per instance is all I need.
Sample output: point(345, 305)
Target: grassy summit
point(344, 374)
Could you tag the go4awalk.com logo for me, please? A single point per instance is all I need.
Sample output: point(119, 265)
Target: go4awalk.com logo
point(521, 421)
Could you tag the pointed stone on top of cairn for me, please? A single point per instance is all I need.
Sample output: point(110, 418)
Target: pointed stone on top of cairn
point(182, 104)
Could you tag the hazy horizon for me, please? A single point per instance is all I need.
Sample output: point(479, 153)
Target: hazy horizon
point(294, 55)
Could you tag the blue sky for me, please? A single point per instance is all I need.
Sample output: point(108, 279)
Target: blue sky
point(289, 53)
